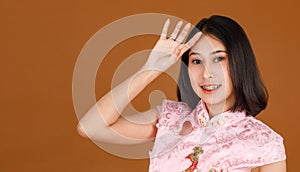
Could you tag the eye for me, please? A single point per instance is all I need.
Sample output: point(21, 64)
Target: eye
point(218, 59)
point(196, 61)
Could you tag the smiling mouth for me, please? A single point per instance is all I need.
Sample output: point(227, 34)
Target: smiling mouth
point(210, 87)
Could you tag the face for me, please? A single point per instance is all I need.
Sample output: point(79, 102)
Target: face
point(209, 74)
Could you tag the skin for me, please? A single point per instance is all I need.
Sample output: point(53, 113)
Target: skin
point(103, 122)
point(208, 66)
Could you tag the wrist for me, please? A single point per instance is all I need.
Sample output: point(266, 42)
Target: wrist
point(150, 69)
point(149, 73)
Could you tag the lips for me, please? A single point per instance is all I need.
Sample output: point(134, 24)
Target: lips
point(208, 88)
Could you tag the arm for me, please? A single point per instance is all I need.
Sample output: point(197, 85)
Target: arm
point(274, 167)
point(103, 121)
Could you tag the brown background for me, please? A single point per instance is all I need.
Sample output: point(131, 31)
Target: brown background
point(41, 40)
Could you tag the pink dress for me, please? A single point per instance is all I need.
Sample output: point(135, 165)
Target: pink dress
point(229, 141)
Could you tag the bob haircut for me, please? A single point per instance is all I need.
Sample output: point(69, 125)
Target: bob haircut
point(250, 93)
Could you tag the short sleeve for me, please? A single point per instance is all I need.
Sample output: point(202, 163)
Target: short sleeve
point(260, 145)
point(169, 113)
point(166, 138)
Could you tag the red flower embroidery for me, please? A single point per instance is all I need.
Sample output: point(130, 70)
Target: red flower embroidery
point(194, 157)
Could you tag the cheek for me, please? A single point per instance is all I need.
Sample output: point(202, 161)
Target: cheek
point(228, 82)
point(194, 78)
point(226, 73)
point(194, 74)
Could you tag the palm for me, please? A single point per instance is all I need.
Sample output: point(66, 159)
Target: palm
point(168, 50)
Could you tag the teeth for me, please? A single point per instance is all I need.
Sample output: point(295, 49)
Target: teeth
point(211, 87)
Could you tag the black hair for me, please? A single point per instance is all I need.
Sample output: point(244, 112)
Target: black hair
point(250, 93)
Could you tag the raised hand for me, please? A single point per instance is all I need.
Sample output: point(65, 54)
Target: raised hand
point(103, 121)
point(168, 50)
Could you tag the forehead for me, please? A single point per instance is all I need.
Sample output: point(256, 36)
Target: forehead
point(207, 44)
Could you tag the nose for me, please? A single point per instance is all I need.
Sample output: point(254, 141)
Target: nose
point(207, 73)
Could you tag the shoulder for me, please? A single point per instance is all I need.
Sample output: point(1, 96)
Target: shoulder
point(169, 113)
point(262, 144)
point(171, 108)
point(253, 130)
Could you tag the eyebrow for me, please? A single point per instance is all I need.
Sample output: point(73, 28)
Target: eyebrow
point(214, 52)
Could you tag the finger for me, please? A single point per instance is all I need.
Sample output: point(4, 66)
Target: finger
point(165, 29)
point(178, 49)
point(190, 43)
point(176, 30)
point(184, 48)
point(193, 40)
point(183, 33)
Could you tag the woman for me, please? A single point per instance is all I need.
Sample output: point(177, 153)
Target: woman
point(212, 127)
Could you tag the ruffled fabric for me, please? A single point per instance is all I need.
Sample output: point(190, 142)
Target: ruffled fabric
point(231, 141)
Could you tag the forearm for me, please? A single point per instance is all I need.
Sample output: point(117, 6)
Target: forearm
point(113, 103)
point(102, 122)
point(97, 122)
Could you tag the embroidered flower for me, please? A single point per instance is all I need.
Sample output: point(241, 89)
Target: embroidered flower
point(194, 158)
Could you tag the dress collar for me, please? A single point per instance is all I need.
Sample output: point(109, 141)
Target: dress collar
point(221, 119)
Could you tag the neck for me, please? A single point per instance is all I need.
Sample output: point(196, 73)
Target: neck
point(215, 109)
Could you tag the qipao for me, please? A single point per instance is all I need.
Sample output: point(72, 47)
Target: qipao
point(230, 141)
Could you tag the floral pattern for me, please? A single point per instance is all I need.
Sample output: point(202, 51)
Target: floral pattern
point(231, 141)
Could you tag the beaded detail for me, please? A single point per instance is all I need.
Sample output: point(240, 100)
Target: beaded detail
point(231, 140)
point(202, 120)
